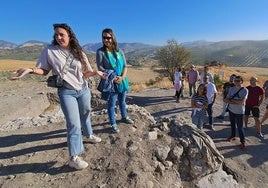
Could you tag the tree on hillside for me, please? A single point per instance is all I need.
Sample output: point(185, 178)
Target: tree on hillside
point(172, 56)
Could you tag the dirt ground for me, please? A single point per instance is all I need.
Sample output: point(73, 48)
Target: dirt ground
point(37, 156)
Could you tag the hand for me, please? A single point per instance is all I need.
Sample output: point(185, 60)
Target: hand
point(118, 79)
point(103, 75)
point(20, 73)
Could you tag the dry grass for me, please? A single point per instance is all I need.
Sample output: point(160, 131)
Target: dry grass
point(11, 65)
point(144, 77)
point(245, 72)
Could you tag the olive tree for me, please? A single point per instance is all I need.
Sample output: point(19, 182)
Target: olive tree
point(171, 57)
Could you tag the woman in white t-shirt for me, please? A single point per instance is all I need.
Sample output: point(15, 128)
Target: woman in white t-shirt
point(74, 95)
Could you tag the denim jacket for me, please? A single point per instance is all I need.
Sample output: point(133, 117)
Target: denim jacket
point(106, 86)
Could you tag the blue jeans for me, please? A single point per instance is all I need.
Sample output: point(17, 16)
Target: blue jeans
point(210, 114)
point(237, 120)
point(76, 108)
point(112, 103)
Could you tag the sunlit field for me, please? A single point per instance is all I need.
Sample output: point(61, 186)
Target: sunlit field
point(149, 76)
point(139, 77)
point(11, 65)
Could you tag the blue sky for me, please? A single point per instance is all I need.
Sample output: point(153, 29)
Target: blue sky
point(146, 21)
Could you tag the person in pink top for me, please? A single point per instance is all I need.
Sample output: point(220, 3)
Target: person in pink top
point(192, 77)
point(253, 102)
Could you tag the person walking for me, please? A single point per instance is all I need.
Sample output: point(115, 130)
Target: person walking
point(110, 58)
point(74, 95)
point(253, 102)
point(178, 84)
point(211, 96)
point(192, 77)
point(226, 87)
point(236, 99)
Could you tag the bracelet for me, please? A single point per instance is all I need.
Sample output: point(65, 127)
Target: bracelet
point(33, 70)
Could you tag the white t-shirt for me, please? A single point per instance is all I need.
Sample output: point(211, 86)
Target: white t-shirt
point(54, 58)
point(211, 90)
point(177, 77)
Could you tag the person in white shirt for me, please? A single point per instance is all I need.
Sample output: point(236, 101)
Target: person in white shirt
point(178, 84)
point(211, 96)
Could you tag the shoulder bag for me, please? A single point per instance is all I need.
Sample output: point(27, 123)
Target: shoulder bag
point(56, 81)
point(227, 108)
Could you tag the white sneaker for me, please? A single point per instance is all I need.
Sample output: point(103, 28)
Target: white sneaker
point(77, 163)
point(93, 139)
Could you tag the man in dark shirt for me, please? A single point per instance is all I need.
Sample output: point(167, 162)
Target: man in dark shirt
point(226, 87)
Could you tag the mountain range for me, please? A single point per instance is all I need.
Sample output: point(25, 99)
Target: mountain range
point(231, 53)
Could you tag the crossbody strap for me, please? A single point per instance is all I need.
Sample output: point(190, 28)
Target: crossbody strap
point(69, 60)
point(237, 92)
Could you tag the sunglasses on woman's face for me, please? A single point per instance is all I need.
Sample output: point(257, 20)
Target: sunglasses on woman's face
point(237, 80)
point(106, 38)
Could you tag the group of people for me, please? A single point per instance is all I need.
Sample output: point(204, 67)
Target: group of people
point(64, 57)
point(203, 98)
point(240, 102)
point(75, 95)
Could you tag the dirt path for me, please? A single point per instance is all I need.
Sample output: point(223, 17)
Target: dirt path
point(250, 166)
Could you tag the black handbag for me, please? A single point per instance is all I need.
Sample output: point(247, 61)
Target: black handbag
point(55, 81)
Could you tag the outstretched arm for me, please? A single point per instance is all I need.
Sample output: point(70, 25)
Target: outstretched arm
point(23, 71)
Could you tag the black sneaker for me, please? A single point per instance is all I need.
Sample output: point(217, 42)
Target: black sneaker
point(127, 120)
point(220, 117)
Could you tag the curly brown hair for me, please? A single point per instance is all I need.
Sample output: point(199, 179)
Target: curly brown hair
point(76, 48)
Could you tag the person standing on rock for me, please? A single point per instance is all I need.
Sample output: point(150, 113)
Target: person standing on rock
point(110, 58)
point(253, 102)
point(236, 99)
point(74, 94)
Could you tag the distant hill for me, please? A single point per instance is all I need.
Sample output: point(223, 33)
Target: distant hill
point(231, 53)
point(7, 45)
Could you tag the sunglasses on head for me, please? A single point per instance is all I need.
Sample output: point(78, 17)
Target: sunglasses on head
point(107, 38)
point(62, 25)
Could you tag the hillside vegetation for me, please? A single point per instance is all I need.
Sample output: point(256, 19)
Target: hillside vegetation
point(146, 76)
point(230, 53)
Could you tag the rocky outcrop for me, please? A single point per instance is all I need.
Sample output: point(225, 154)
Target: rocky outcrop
point(162, 153)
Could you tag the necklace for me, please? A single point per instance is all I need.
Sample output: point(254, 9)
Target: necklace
point(63, 52)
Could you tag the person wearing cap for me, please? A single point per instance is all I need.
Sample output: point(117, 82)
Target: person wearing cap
point(253, 102)
point(226, 87)
point(192, 77)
